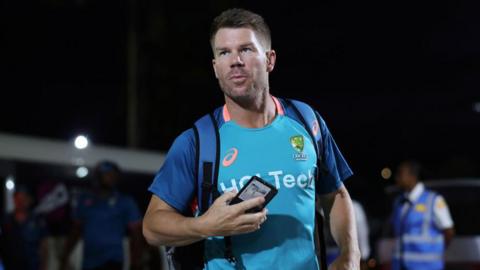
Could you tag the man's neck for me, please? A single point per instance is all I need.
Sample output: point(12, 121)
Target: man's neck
point(410, 187)
point(257, 113)
point(104, 192)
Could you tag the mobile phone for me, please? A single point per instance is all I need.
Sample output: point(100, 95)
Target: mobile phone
point(255, 187)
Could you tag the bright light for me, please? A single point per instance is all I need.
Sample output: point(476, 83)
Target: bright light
point(82, 172)
point(386, 173)
point(81, 142)
point(10, 184)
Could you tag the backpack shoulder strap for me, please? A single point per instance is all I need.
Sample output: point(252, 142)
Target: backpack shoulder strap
point(311, 120)
point(207, 159)
point(305, 114)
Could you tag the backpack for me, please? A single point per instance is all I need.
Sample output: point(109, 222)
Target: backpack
point(207, 138)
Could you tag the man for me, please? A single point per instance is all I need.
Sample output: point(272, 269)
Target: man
point(23, 236)
point(102, 218)
point(422, 223)
point(255, 138)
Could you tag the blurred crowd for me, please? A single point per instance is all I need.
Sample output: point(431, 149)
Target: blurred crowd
point(98, 227)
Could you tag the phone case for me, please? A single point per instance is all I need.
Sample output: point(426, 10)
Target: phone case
point(248, 188)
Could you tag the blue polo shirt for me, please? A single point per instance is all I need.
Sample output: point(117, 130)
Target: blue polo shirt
point(282, 154)
point(21, 242)
point(104, 222)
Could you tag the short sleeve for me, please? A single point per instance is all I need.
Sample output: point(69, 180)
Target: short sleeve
point(335, 168)
point(442, 218)
point(132, 212)
point(175, 181)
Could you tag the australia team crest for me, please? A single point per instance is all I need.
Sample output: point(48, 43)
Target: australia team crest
point(298, 143)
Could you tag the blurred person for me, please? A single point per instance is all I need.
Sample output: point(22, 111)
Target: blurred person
point(422, 224)
point(53, 204)
point(24, 236)
point(102, 218)
point(361, 224)
point(258, 135)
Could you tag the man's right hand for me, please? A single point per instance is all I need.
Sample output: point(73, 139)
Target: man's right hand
point(222, 219)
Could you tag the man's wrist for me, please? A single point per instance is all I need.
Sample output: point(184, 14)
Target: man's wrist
point(351, 253)
point(198, 227)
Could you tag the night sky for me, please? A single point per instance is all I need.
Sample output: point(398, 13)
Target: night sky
point(392, 79)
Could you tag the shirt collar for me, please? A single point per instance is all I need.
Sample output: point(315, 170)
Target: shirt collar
point(278, 106)
point(416, 192)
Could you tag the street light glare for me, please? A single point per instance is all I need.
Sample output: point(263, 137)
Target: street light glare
point(81, 142)
point(10, 184)
point(386, 173)
point(82, 172)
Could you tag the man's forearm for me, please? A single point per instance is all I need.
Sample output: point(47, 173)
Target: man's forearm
point(448, 235)
point(339, 209)
point(167, 228)
point(164, 225)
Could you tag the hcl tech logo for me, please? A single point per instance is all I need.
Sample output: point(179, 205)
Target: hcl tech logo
point(303, 180)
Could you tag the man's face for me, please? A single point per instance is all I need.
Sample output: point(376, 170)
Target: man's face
point(404, 177)
point(241, 63)
point(22, 200)
point(109, 179)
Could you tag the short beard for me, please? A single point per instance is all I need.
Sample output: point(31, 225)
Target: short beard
point(249, 100)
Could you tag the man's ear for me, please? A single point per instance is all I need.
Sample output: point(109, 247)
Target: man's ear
point(271, 59)
point(214, 68)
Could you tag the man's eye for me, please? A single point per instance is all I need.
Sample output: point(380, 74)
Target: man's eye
point(246, 50)
point(222, 53)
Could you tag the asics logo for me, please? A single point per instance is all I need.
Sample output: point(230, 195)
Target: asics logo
point(230, 157)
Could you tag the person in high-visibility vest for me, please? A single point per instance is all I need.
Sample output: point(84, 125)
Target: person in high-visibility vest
point(422, 223)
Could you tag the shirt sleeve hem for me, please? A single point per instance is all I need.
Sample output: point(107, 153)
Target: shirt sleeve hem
point(180, 207)
point(346, 174)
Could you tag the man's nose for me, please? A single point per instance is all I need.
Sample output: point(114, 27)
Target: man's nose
point(237, 60)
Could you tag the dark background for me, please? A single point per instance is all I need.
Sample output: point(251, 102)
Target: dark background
point(393, 79)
